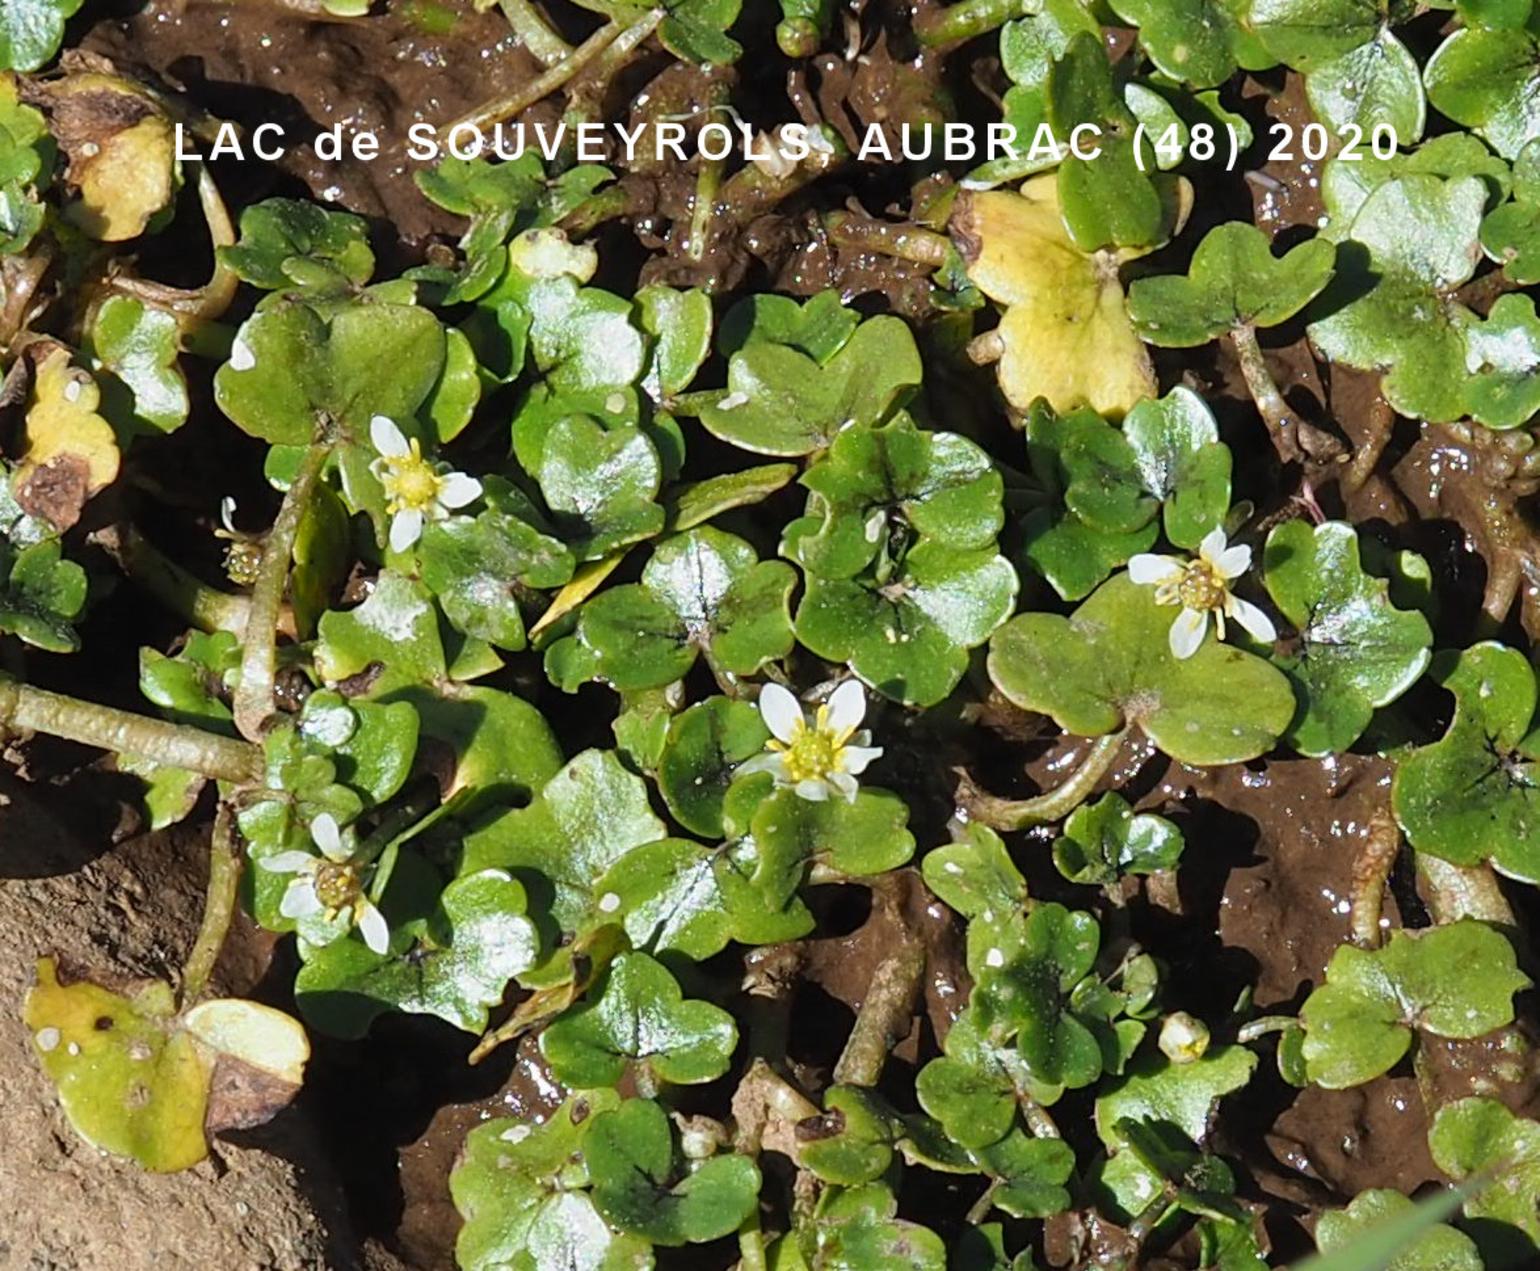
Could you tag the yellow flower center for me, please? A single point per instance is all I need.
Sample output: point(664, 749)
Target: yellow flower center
point(410, 481)
point(336, 886)
point(814, 752)
point(1201, 588)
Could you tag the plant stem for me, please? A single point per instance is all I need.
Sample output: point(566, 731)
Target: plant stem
point(1371, 867)
point(1292, 437)
point(1264, 1024)
point(218, 906)
point(1459, 891)
point(965, 20)
point(535, 32)
point(983, 1204)
point(253, 703)
point(554, 77)
point(611, 202)
point(752, 191)
point(905, 242)
point(883, 1018)
point(191, 600)
point(23, 707)
point(751, 1244)
point(1055, 804)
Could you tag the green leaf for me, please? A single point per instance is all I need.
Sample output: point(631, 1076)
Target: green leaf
point(1511, 233)
point(456, 965)
point(852, 1141)
point(857, 1229)
point(1451, 981)
point(1422, 239)
point(289, 368)
point(1193, 41)
point(679, 323)
point(1307, 33)
point(1110, 200)
point(521, 1188)
point(1486, 80)
point(1472, 795)
point(1354, 651)
point(703, 591)
point(1105, 840)
point(587, 817)
point(1234, 281)
point(1030, 1174)
point(1481, 1138)
point(1437, 1247)
point(704, 745)
point(678, 895)
point(31, 30)
point(600, 485)
point(976, 875)
point(1372, 87)
point(1182, 463)
point(867, 836)
point(286, 243)
point(1110, 665)
point(874, 481)
point(637, 1020)
point(1503, 358)
point(1345, 184)
point(908, 635)
point(41, 596)
point(780, 401)
point(476, 567)
point(581, 337)
point(135, 347)
point(818, 327)
point(637, 1186)
point(700, 501)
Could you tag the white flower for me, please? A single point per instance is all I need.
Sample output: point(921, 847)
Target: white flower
point(818, 758)
point(416, 489)
point(1202, 587)
point(329, 884)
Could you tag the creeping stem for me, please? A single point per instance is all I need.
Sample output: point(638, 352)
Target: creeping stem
point(883, 1018)
point(558, 75)
point(218, 906)
point(1055, 804)
point(1371, 867)
point(1292, 437)
point(905, 242)
point(965, 20)
point(25, 708)
point(253, 702)
point(193, 601)
point(535, 32)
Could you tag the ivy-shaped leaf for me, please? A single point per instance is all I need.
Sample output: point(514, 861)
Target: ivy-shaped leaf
point(1452, 981)
point(41, 595)
point(637, 1020)
point(136, 347)
point(294, 243)
point(858, 1228)
point(1511, 233)
point(1421, 235)
point(1439, 1247)
point(780, 401)
point(703, 592)
point(1474, 794)
point(1196, 43)
point(702, 747)
point(1182, 463)
point(1481, 1137)
point(455, 965)
point(600, 485)
point(1485, 80)
point(586, 817)
point(1110, 665)
point(31, 30)
point(976, 875)
point(1353, 650)
point(1105, 840)
point(908, 634)
point(522, 1190)
point(868, 835)
point(872, 480)
point(1502, 356)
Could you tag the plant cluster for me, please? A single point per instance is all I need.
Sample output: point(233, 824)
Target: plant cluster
point(583, 632)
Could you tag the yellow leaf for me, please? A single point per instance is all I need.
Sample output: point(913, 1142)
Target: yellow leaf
point(254, 1034)
point(71, 451)
point(1065, 334)
point(584, 583)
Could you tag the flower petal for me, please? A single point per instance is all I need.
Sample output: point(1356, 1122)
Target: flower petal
point(287, 863)
point(853, 759)
point(1187, 632)
point(1150, 570)
point(405, 529)
point(845, 784)
point(328, 837)
point(457, 489)
point(1233, 561)
point(227, 514)
point(300, 900)
point(388, 439)
point(1257, 623)
point(371, 925)
point(781, 711)
point(1213, 545)
point(847, 705)
point(765, 761)
point(813, 790)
